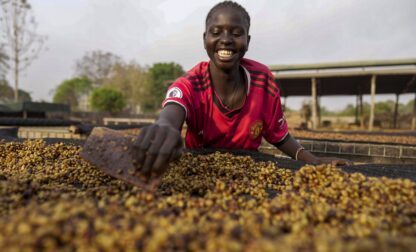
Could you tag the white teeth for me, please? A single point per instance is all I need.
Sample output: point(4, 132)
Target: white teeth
point(225, 53)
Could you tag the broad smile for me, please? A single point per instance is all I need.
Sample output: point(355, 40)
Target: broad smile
point(225, 55)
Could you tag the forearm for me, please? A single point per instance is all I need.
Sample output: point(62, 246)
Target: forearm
point(291, 146)
point(172, 115)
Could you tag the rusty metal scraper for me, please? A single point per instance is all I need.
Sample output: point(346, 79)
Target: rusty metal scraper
point(112, 152)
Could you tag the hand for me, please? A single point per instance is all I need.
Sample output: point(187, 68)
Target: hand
point(334, 161)
point(155, 147)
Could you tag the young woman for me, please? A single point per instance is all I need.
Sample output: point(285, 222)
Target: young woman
point(229, 102)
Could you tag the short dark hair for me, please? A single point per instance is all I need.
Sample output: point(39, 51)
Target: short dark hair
point(229, 4)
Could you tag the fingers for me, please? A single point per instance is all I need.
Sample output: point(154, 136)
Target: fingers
point(153, 151)
point(169, 151)
point(142, 144)
point(177, 154)
point(155, 147)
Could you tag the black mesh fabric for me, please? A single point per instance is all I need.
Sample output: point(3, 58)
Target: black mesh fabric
point(86, 129)
point(257, 156)
point(377, 170)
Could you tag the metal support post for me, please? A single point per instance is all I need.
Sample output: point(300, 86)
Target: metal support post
point(373, 102)
point(314, 104)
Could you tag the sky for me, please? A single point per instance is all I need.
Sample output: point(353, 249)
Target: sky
point(282, 32)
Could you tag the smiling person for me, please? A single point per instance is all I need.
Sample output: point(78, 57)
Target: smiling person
point(229, 102)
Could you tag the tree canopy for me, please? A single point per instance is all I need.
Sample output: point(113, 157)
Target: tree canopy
point(160, 75)
point(70, 91)
point(107, 99)
point(381, 108)
point(142, 88)
point(130, 80)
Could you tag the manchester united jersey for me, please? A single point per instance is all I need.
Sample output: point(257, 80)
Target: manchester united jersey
point(210, 124)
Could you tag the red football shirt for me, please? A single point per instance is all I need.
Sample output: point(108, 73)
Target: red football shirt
point(212, 125)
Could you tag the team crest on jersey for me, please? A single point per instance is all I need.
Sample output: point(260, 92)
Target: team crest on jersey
point(255, 129)
point(174, 93)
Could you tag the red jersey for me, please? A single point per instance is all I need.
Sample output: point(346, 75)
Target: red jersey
point(210, 124)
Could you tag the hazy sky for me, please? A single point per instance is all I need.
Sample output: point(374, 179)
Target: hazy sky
point(282, 31)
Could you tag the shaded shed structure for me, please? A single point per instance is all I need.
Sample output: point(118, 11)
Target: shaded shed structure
point(349, 78)
point(28, 109)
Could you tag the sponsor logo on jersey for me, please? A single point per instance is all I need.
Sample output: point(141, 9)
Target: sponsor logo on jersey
point(174, 93)
point(255, 129)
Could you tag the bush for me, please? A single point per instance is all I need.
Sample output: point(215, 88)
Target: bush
point(107, 99)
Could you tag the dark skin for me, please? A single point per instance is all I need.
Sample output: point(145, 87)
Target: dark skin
point(161, 143)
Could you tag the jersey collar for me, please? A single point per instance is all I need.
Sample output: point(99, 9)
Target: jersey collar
point(248, 79)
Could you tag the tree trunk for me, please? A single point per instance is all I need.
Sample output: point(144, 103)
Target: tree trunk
point(16, 80)
point(16, 54)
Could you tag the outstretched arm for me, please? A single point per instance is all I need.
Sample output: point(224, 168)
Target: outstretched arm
point(161, 142)
point(293, 149)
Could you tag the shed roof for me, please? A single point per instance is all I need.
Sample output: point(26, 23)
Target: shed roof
point(347, 78)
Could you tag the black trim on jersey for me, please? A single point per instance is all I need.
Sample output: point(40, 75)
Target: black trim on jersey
point(283, 141)
point(269, 82)
point(223, 110)
point(261, 74)
point(218, 103)
point(264, 87)
point(233, 113)
point(198, 83)
point(197, 77)
point(203, 87)
point(263, 77)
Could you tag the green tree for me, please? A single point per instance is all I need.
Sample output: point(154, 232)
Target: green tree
point(326, 112)
point(130, 80)
point(160, 75)
point(70, 91)
point(384, 107)
point(349, 110)
point(406, 108)
point(107, 99)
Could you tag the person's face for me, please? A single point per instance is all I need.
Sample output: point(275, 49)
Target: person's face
point(226, 38)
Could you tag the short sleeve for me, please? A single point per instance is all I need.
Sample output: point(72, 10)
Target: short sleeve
point(276, 128)
point(179, 93)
